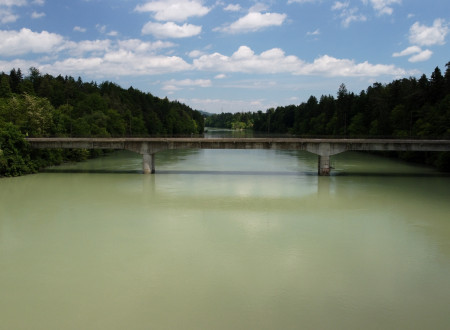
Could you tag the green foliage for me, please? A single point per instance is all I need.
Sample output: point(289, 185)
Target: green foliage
point(14, 152)
point(405, 108)
point(236, 121)
point(38, 105)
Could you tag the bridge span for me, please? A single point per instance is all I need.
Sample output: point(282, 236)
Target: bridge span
point(324, 148)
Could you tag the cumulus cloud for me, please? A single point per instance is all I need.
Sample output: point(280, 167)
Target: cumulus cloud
point(218, 105)
point(334, 67)
point(117, 63)
point(171, 30)
point(6, 12)
point(140, 46)
point(408, 51)
point(421, 56)
point(79, 29)
point(423, 35)
point(174, 85)
point(36, 15)
point(95, 47)
point(254, 21)
point(13, 43)
point(232, 7)
point(7, 16)
point(383, 7)
point(274, 61)
point(95, 58)
point(174, 10)
point(245, 60)
point(195, 53)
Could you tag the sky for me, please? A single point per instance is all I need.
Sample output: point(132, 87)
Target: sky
point(228, 56)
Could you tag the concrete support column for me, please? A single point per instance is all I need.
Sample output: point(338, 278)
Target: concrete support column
point(324, 165)
point(148, 163)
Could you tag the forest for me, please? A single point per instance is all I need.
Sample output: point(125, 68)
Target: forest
point(39, 105)
point(42, 105)
point(405, 108)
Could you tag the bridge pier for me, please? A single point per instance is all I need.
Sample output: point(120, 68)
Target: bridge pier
point(324, 165)
point(148, 163)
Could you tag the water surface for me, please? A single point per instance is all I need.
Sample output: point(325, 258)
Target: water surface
point(226, 239)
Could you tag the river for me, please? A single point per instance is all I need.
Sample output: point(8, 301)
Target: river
point(226, 239)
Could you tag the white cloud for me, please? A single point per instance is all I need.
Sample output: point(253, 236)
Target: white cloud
point(195, 53)
point(422, 56)
point(11, 3)
point(423, 35)
point(79, 29)
point(174, 10)
point(274, 61)
point(142, 47)
point(92, 58)
point(220, 105)
point(36, 15)
point(302, 1)
point(408, 51)
point(313, 33)
point(97, 47)
point(220, 76)
point(333, 67)
point(174, 85)
point(103, 29)
point(171, 30)
point(383, 7)
point(13, 43)
point(232, 7)
point(338, 5)
point(39, 2)
point(6, 16)
point(254, 21)
point(117, 63)
point(258, 7)
point(245, 60)
point(348, 15)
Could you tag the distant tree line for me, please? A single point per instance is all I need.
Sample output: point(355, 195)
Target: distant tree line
point(404, 108)
point(42, 105)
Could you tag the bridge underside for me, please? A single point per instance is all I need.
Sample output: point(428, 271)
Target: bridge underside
point(324, 148)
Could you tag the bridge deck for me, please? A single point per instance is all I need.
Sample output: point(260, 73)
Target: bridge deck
point(324, 148)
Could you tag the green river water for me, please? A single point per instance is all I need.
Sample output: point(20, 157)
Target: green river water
point(226, 239)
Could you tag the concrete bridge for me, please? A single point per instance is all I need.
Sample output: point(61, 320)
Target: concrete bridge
point(324, 148)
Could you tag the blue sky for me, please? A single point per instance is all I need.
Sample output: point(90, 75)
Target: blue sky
point(228, 55)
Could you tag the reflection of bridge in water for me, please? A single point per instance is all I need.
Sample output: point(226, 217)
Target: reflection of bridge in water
point(324, 148)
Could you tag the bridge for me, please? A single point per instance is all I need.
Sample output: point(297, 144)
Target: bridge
point(324, 148)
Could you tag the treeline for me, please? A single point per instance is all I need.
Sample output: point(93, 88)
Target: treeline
point(404, 108)
point(239, 120)
point(42, 105)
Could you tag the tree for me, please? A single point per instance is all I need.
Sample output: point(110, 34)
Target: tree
point(5, 88)
point(15, 78)
point(437, 86)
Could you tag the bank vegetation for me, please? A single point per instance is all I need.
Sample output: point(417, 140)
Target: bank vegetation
point(407, 108)
point(42, 105)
